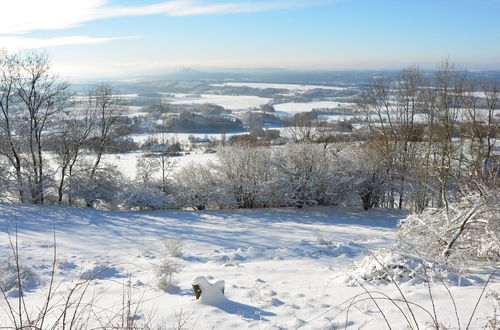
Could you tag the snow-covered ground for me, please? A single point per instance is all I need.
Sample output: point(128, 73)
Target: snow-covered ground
point(126, 163)
point(181, 137)
point(290, 87)
point(230, 102)
point(283, 268)
point(295, 107)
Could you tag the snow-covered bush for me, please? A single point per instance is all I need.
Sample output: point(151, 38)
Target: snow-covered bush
point(145, 170)
point(467, 231)
point(99, 188)
point(304, 175)
point(366, 165)
point(299, 174)
point(196, 187)
point(99, 270)
point(173, 247)
point(142, 198)
point(383, 267)
point(165, 272)
point(11, 273)
point(242, 172)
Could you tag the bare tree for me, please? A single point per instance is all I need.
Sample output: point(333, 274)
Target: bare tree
point(405, 131)
point(391, 109)
point(10, 143)
point(166, 147)
point(69, 143)
point(304, 128)
point(31, 99)
point(108, 108)
point(448, 102)
point(491, 93)
point(43, 96)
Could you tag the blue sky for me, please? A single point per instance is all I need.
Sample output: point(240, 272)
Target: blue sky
point(121, 38)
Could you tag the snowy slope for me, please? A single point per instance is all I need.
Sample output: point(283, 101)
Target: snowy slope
point(283, 268)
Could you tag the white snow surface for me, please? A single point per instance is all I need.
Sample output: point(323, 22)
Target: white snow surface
point(126, 163)
point(230, 102)
point(290, 87)
point(295, 107)
point(283, 268)
point(181, 137)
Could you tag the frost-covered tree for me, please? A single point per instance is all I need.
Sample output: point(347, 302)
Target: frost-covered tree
point(108, 108)
point(98, 189)
point(31, 97)
point(366, 165)
point(146, 167)
point(303, 174)
point(241, 172)
point(68, 144)
point(162, 148)
point(392, 108)
point(197, 187)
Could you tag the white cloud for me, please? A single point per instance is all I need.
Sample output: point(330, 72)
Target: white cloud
point(21, 16)
point(28, 15)
point(15, 43)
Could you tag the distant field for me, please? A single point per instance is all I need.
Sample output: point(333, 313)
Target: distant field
point(290, 87)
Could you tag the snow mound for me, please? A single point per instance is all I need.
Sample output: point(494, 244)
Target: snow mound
point(99, 271)
point(304, 249)
point(295, 323)
point(212, 292)
point(9, 281)
point(383, 267)
point(66, 265)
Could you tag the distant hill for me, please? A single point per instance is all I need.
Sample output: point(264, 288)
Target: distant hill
point(269, 75)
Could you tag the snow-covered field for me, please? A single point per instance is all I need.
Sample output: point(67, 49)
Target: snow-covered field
point(181, 137)
point(290, 87)
point(295, 107)
point(126, 162)
point(230, 102)
point(283, 268)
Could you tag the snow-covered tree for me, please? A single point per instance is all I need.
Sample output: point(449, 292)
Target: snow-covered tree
point(145, 169)
point(241, 172)
point(367, 165)
point(196, 187)
point(304, 175)
point(31, 98)
point(68, 145)
point(108, 108)
point(98, 189)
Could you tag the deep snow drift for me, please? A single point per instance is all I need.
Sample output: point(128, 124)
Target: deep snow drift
point(283, 268)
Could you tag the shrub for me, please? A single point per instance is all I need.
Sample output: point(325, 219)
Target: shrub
point(384, 267)
point(142, 198)
point(467, 231)
point(173, 247)
point(10, 279)
point(165, 272)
